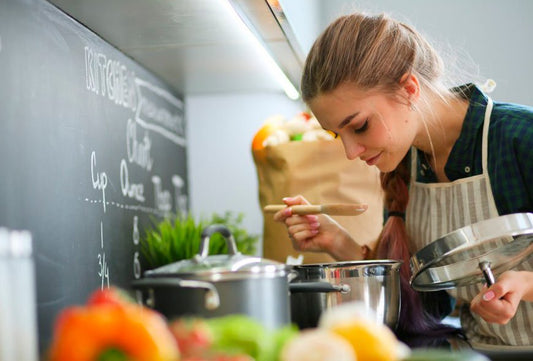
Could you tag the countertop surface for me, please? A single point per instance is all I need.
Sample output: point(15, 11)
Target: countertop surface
point(459, 344)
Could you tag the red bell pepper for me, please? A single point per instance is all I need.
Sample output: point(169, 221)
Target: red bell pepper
point(109, 328)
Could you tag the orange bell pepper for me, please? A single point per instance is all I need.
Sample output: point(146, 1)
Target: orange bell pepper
point(109, 328)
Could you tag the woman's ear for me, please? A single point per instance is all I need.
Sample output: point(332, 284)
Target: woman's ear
point(410, 85)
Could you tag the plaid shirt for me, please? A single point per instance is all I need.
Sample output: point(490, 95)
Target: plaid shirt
point(510, 152)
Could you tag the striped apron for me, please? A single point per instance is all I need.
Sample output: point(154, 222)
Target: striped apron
point(435, 209)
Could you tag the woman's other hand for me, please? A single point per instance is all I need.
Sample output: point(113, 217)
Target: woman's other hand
point(498, 303)
point(318, 233)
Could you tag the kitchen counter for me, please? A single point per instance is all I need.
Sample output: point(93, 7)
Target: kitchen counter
point(455, 344)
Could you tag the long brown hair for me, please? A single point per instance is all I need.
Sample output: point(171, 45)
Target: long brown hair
point(374, 53)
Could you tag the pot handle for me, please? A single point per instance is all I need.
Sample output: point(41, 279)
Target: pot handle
point(212, 299)
point(206, 235)
point(323, 287)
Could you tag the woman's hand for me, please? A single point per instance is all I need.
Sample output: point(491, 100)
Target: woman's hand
point(498, 303)
point(318, 233)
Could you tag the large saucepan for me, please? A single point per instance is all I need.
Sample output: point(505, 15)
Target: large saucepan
point(218, 285)
point(375, 283)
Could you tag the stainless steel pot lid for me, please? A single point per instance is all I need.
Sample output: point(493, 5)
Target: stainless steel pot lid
point(473, 253)
point(233, 265)
point(361, 268)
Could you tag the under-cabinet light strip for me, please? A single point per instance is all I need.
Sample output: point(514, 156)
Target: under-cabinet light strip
point(283, 80)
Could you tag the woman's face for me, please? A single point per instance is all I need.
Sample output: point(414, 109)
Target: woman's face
point(372, 126)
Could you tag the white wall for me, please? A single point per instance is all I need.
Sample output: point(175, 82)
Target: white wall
point(495, 33)
point(221, 170)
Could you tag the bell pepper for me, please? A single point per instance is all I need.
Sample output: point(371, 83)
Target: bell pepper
point(109, 328)
point(111, 295)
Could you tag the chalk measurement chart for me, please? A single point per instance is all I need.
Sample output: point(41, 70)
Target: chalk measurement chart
point(137, 182)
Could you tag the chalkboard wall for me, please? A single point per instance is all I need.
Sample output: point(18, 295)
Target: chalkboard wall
point(92, 147)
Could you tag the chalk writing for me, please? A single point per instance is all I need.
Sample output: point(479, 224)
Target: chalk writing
point(162, 198)
point(130, 190)
point(138, 152)
point(110, 77)
point(135, 237)
point(99, 179)
point(167, 119)
point(180, 198)
point(103, 269)
point(136, 265)
point(129, 207)
point(135, 234)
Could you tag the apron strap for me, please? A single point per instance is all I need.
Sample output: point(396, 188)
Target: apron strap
point(485, 142)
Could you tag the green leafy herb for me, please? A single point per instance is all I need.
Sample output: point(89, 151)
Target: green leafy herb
point(241, 334)
point(176, 239)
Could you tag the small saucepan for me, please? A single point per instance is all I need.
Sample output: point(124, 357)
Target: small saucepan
point(375, 283)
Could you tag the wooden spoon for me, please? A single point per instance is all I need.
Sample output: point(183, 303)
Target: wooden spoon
point(334, 209)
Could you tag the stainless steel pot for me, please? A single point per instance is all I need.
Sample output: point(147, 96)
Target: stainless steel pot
point(376, 283)
point(218, 285)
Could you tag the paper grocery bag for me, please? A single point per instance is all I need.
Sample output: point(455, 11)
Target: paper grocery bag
point(320, 172)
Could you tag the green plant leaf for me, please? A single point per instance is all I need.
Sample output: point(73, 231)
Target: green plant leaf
point(171, 240)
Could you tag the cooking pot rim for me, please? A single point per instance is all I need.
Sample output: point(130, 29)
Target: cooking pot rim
point(369, 262)
point(214, 275)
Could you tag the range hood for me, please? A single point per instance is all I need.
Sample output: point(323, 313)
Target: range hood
point(195, 46)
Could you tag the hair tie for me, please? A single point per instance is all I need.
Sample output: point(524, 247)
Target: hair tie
point(397, 214)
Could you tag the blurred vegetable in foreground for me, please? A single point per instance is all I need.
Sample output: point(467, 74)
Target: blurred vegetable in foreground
point(193, 336)
point(237, 336)
point(111, 328)
point(317, 344)
point(173, 240)
point(370, 339)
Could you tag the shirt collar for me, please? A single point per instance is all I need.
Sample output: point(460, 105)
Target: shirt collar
point(464, 160)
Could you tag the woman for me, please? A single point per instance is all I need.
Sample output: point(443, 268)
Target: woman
point(448, 157)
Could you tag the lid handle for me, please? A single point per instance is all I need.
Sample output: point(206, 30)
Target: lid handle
point(487, 272)
point(206, 235)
